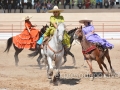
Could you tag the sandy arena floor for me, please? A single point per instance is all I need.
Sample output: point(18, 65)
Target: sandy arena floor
point(28, 76)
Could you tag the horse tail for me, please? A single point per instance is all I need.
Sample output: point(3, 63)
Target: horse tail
point(9, 43)
point(35, 53)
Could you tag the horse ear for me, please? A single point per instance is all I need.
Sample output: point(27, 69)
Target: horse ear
point(81, 27)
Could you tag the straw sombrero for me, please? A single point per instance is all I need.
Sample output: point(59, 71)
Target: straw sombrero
point(27, 17)
point(55, 8)
point(85, 20)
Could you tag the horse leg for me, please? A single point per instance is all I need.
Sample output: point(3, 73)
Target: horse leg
point(109, 61)
point(57, 74)
point(50, 72)
point(104, 65)
point(65, 59)
point(89, 62)
point(74, 62)
point(17, 51)
point(99, 63)
point(48, 68)
point(39, 58)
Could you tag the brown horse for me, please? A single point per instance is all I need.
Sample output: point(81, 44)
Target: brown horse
point(93, 51)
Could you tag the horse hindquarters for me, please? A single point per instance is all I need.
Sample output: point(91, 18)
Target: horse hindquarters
point(9, 44)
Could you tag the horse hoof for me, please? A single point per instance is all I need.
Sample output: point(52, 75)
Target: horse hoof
point(104, 76)
point(91, 78)
point(50, 72)
point(16, 65)
point(49, 77)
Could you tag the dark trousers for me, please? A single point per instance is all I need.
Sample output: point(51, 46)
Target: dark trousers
point(67, 4)
point(15, 7)
point(9, 8)
point(21, 10)
point(99, 4)
point(29, 5)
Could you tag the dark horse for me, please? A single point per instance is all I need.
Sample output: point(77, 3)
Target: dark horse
point(93, 52)
point(71, 33)
point(17, 50)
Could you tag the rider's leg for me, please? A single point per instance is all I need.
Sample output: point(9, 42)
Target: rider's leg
point(66, 42)
point(39, 42)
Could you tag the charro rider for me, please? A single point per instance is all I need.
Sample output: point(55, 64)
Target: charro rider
point(54, 20)
point(29, 36)
point(91, 36)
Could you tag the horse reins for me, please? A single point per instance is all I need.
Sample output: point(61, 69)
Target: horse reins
point(55, 52)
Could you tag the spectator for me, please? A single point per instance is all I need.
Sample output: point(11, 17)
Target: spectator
point(67, 2)
point(35, 2)
point(112, 3)
point(55, 3)
point(15, 5)
point(29, 4)
point(87, 4)
point(4, 4)
point(106, 3)
point(99, 2)
point(0, 2)
point(49, 5)
point(21, 7)
point(80, 4)
point(58, 2)
point(9, 3)
point(44, 7)
point(38, 5)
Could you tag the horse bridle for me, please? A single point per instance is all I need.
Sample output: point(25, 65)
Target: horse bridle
point(59, 35)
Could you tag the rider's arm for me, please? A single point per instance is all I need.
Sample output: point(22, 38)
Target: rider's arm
point(26, 25)
point(53, 22)
point(92, 30)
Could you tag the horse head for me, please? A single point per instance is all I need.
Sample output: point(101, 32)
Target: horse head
point(43, 29)
point(60, 31)
point(79, 33)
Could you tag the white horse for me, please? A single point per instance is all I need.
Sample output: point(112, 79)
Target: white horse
point(54, 50)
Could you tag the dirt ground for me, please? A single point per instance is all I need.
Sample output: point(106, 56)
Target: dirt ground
point(28, 76)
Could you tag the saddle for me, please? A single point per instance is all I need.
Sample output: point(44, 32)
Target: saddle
point(93, 47)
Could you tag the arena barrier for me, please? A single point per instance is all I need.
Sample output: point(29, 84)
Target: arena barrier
point(109, 30)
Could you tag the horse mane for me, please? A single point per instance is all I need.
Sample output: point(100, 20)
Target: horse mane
point(71, 31)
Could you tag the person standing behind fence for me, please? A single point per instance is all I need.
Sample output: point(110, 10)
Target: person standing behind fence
point(87, 4)
point(99, 2)
point(44, 7)
point(49, 5)
point(112, 3)
point(15, 5)
point(35, 2)
point(21, 7)
point(67, 2)
point(9, 3)
point(38, 5)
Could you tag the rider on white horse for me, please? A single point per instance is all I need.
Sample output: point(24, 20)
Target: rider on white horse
point(54, 20)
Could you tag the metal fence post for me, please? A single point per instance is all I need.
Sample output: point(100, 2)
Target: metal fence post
point(103, 30)
point(12, 30)
point(20, 25)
